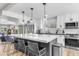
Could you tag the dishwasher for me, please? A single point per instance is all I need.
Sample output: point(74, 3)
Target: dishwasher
point(56, 49)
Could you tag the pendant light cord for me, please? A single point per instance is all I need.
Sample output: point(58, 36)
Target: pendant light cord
point(44, 9)
point(23, 22)
point(23, 15)
point(31, 13)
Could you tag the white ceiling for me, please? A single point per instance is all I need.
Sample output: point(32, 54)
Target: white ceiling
point(5, 19)
point(2, 5)
point(53, 9)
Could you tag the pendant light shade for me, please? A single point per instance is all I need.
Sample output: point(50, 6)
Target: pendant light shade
point(31, 8)
point(44, 3)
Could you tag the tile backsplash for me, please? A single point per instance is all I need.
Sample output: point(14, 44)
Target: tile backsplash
point(71, 31)
point(49, 30)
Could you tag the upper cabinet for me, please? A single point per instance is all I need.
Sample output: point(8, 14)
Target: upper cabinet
point(69, 18)
point(51, 22)
point(60, 21)
point(49, 25)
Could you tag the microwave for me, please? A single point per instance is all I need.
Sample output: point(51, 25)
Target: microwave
point(71, 25)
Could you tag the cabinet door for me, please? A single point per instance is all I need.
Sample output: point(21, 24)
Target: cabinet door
point(30, 28)
point(61, 21)
point(61, 40)
point(71, 18)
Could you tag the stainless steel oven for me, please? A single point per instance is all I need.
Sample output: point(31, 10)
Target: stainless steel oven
point(71, 25)
point(71, 42)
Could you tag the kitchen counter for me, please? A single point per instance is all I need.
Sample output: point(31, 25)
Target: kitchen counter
point(56, 34)
point(77, 38)
point(44, 40)
point(36, 37)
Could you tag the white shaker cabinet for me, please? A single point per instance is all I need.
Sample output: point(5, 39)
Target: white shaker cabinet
point(61, 40)
point(71, 18)
point(61, 20)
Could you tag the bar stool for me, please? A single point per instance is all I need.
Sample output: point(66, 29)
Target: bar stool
point(35, 50)
point(9, 39)
point(22, 46)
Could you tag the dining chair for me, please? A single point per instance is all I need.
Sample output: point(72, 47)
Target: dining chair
point(35, 50)
point(2, 37)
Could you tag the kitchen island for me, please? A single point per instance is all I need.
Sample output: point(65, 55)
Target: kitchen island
point(47, 41)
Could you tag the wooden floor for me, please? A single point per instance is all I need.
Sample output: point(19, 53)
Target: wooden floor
point(7, 49)
point(70, 52)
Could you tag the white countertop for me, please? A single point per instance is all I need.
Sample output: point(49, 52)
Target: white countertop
point(36, 37)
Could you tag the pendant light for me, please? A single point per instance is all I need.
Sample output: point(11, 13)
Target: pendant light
point(31, 13)
point(44, 21)
point(23, 16)
point(44, 17)
point(23, 12)
point(44, 4)
point(31, 20)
